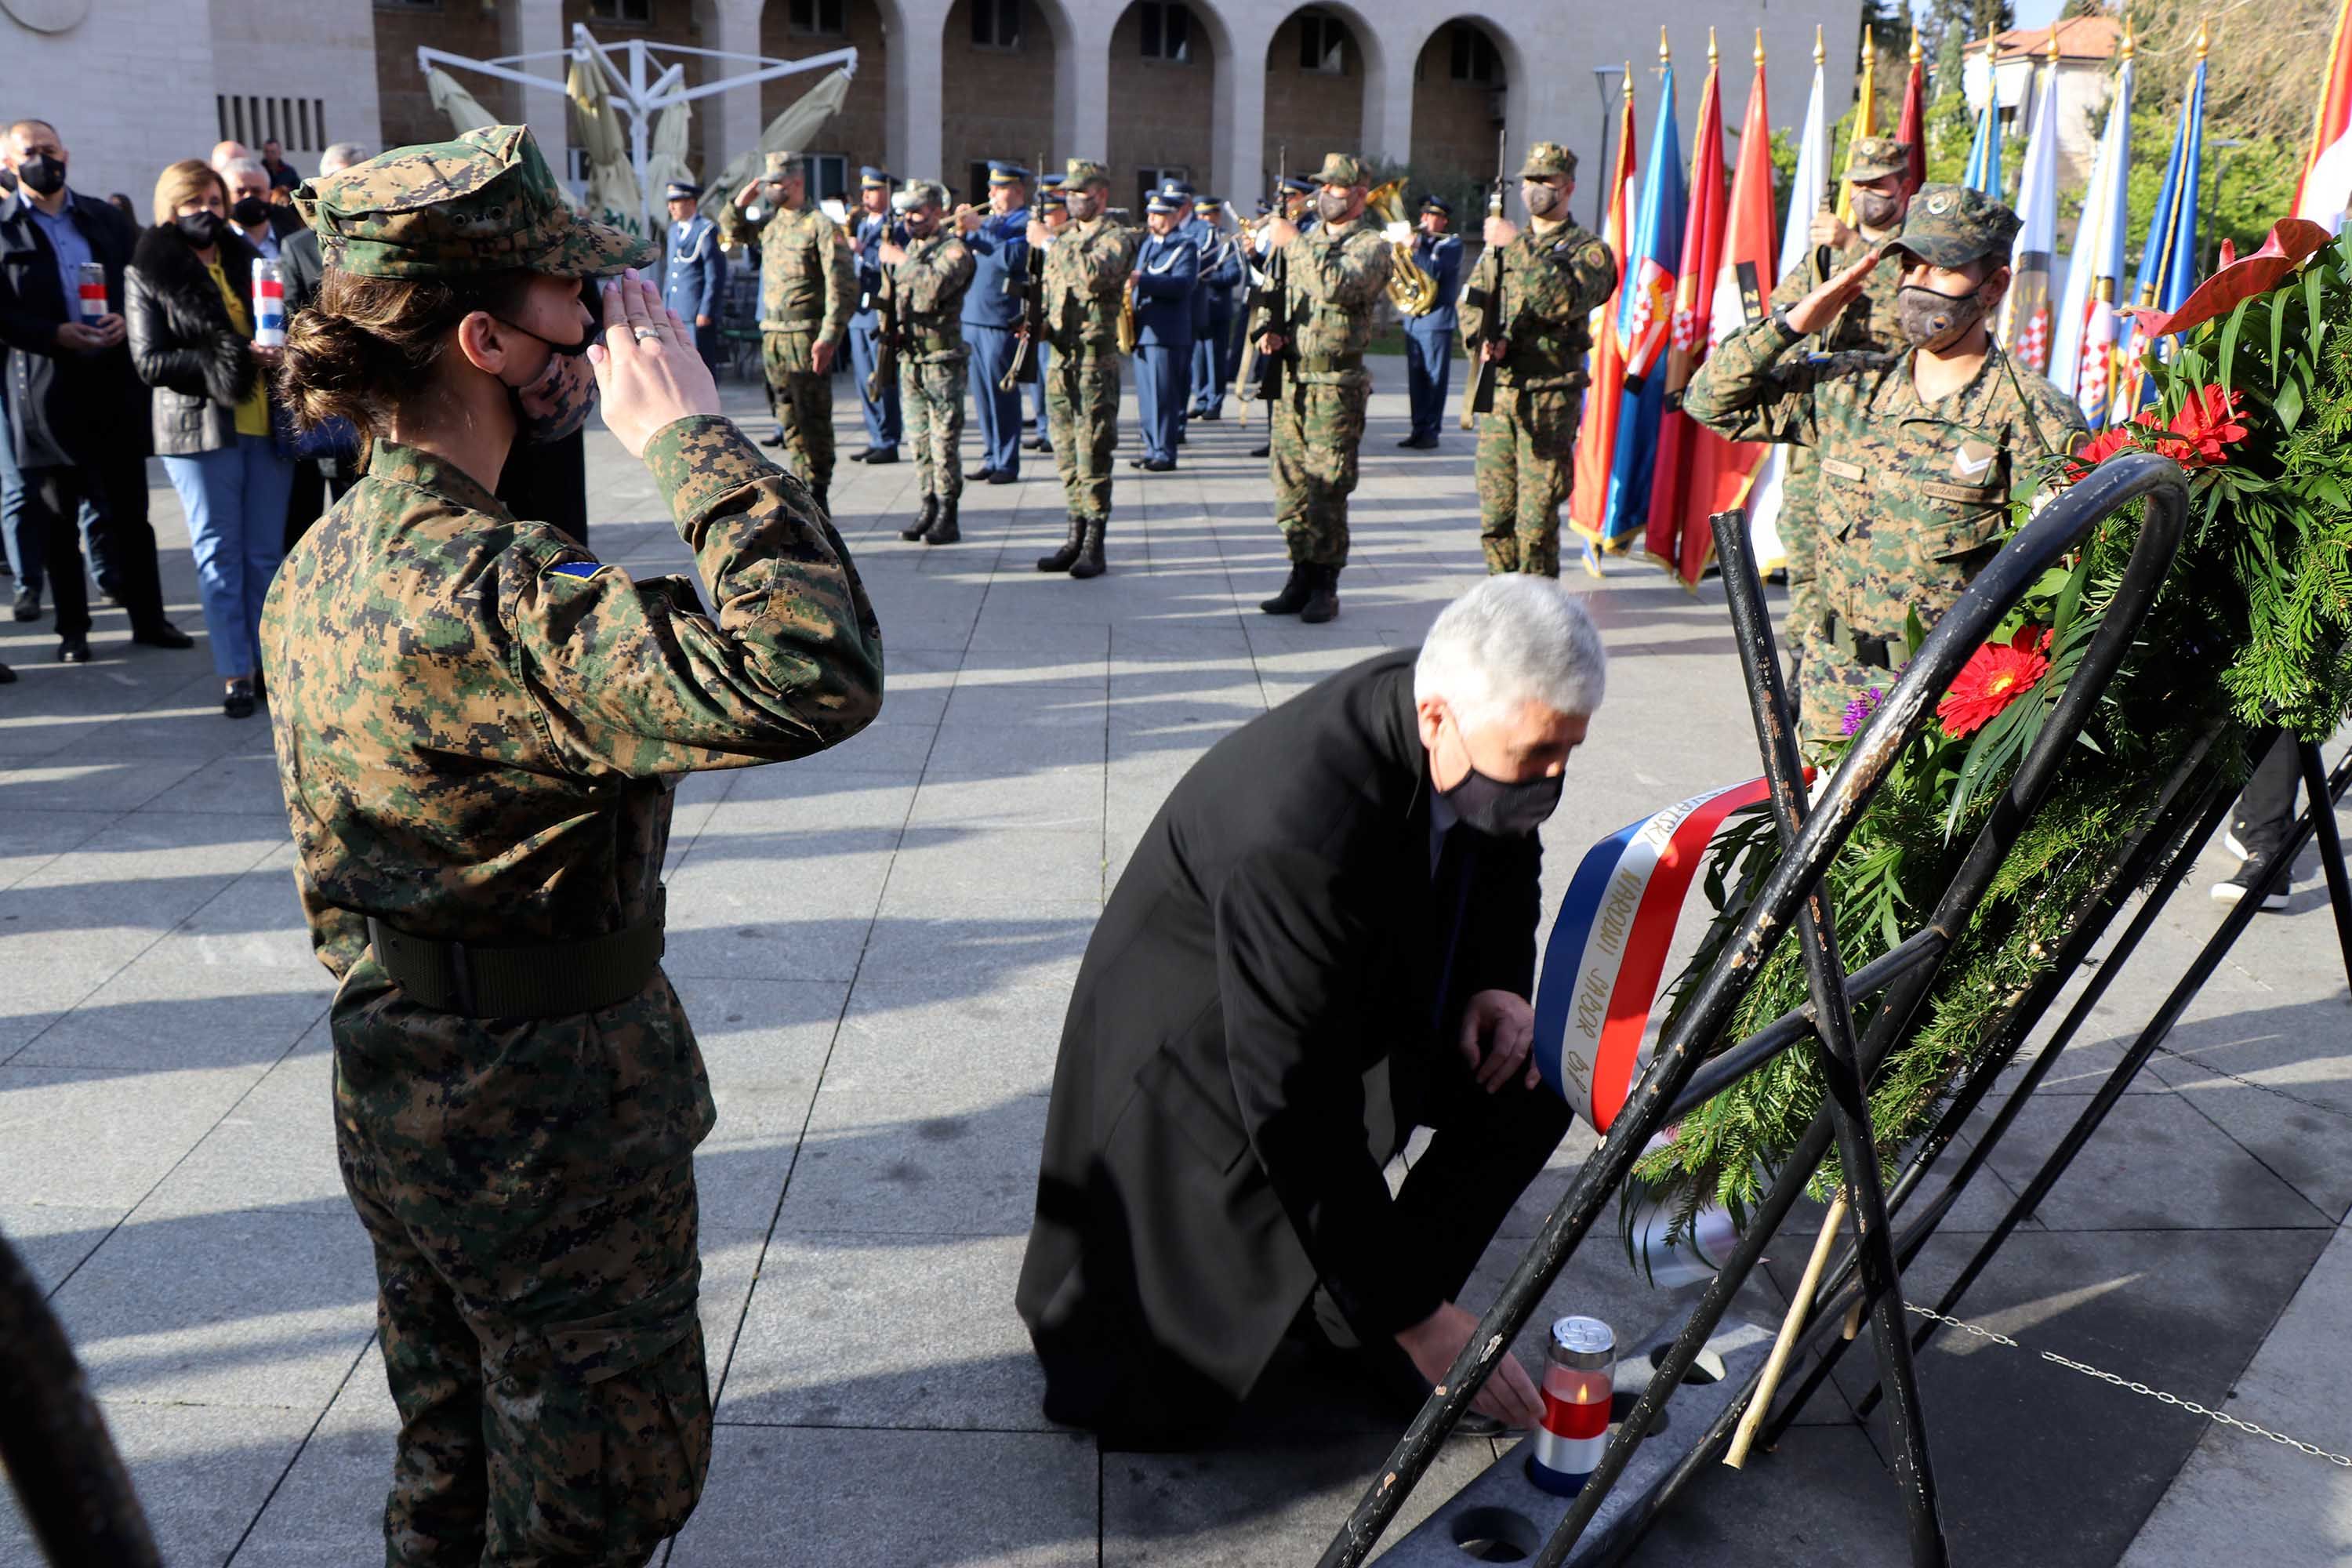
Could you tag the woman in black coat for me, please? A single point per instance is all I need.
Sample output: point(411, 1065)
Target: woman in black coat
point(189, 314)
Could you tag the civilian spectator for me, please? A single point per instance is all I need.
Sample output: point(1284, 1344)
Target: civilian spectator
point(122, 203)
point(319, 479)
point(259, 224)
point(76, 412)
point(225, 152)
point(191, 315)
point(282, 176)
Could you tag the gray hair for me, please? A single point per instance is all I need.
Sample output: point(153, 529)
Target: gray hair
point(1513, 638)
point(341, 156)
point(243, 168)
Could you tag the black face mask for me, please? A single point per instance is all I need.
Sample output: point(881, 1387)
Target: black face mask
point(250, 211)
point(1931, 318)
point(1499, 809)
point(42, 174)
point(201, 230)
point(565, 381)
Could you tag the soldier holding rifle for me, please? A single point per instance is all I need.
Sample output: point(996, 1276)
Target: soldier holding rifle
point(1086, 280)
point(928, 277)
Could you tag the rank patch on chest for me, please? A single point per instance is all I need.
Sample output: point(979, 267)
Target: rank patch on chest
point(1972, 461)
point(577, 568)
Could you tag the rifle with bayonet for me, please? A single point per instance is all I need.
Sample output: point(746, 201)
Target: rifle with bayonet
point(1031, 286)
point(1486, 294)
point(889, 324)
point(1259, 376)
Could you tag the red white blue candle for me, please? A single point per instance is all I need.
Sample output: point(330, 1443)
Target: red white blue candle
point(268, 304)
point(90, 285)
point(1580, 1382)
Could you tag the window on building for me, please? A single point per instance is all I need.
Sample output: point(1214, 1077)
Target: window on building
point(996, 24)
point(1149, 180)
point(818, 18)
point(827, 174)
point(1475, 58)
point(408, 4)
point(1167, 31)
point(296, 124)
point(1321, 41)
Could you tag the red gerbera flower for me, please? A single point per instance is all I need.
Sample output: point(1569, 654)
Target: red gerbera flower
point(1996, 675)
point(2100, 448)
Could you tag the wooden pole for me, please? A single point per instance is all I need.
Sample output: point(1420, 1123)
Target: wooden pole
point(1736, 1455)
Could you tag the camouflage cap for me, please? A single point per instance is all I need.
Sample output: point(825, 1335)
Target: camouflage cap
point(484, 203)
point(780, 166)
point(1952, 226)
point(1342, 169)
point(1875, 157)
point(1549, 158)
point(927, 194)
point(1084, 171)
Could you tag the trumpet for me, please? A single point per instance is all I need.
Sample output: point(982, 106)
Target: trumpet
point(1411, 288)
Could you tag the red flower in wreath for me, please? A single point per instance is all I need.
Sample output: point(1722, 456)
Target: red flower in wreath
point(2100, 448)
point(2207, 422)
point(1996, 675)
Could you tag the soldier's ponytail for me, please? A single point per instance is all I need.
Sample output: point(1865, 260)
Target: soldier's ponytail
point(368, 344)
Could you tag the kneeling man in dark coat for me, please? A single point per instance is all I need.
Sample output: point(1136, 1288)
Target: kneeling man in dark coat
point(1326, 940)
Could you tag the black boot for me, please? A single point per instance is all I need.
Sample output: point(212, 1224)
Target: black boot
point(1090, 562)
point(1322, 595)
point(923, 520)
point(1293, 598)
point(944, 532)
point(823, 500)
point(1060, 559)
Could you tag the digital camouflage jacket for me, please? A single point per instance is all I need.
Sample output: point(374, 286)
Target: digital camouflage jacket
point(1336, 273)
point(1085, 274)
point(1548, 285)
point(808, 278)
point(931, 283)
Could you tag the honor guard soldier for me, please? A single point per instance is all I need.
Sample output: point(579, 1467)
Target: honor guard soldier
point(1429, 337)
point(992, 310)
point(694, 273)
point(1221, 272)
point(479, 727)
point(876, 225)
point(1297, 210)
point(1056, 216)
point(1878, 170)
point(929, 274)
point(1549, 277)
point(1167, 271)
point(808, 286)
point(1336, 274)
point(1921, 449)
point(1086, 281)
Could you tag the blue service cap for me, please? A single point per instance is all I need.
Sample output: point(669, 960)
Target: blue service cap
point(1209, 201)
point(1052, 182)
point(1297, 185)
point(868, 174)
point(1163, 201)
point(1004, 174)
point(1432, 204)
point(1180, 189)
point(682, 191)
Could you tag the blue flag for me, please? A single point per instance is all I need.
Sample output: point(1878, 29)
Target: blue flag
point(1644, 323)
point(1984, 152)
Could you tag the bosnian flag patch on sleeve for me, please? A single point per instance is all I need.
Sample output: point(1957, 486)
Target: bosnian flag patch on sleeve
point(577, 568)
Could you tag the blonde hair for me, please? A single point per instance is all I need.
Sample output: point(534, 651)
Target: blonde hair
point(180, 181)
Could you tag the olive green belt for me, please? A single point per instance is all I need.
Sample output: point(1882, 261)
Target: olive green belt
point(1329, 365)
point(555, 980)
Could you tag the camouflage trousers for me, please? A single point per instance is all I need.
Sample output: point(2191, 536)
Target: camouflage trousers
point(1799, 528)
point(1317, 427)
point(537, 1317)
point(930, 402)
point(801, 401)
point(1526, 452)
point(1082, 421)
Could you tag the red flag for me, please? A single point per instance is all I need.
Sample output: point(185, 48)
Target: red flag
point(2329, 124)
point(1702, 223)
point(1596, 438)
point(1912, 133)
point(1716, 473)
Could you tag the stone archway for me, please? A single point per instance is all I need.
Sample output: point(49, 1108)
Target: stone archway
point(1002, 67)
point(1462, 82)
point(1166, 57)
point(861, 132)
point(1323, 76)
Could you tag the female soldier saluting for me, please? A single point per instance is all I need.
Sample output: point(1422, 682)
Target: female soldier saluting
point(477, 728)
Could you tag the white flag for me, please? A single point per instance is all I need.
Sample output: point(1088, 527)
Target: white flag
point(1808, 194)
point(2083, 345)
point(2025, 311)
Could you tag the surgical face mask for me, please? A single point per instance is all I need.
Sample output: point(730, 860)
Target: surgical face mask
point(250, 211)
point(42, 174)
point(1930, 318)
point(1542, 199)
point(921, 221)
point(1499, 810)
point(556, 402)
point(201, 230)
point(1878, 210)
point(1083, 205)
point(1333, 207)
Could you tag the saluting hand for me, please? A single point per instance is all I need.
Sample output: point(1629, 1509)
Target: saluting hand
point(647, 371)
point(1817, 309)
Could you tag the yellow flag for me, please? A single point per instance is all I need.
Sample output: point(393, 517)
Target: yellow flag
point(1865, 118)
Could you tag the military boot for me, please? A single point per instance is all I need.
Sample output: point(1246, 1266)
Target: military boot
point(823, 500)
point(1059, 561)
point(1322, 595)
point(923, 520)
point(944, 532)
point(1090, 562)
point(1293, 598)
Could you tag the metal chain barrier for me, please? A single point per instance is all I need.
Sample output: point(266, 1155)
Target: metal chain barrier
point(2191, 1405)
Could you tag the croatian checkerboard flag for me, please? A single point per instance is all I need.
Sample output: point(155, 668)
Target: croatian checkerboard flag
point(2025, 310)
point(2083, 351)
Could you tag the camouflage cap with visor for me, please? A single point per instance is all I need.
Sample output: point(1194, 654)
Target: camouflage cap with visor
point(1952, 226)
point(1549, 159)
point(1875, 157)
point(1342, 169)
point(484, 203)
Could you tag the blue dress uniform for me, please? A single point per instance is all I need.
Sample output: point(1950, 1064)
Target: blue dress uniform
point(1221, 269)
point(1429, 338)
point(991, 309)
point(694, 271)
point(865, 326)
point(1167, 269)
point(1049, 196)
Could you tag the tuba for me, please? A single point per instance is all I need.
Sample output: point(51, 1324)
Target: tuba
point(1411, 288)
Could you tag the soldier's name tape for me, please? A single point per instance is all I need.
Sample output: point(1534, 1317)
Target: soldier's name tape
point(1608, 949)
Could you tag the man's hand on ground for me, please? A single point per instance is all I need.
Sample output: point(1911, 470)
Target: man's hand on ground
point(1498, 1036)
point(1433, 1344)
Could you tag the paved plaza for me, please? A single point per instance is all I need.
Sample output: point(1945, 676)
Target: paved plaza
point(877, 944)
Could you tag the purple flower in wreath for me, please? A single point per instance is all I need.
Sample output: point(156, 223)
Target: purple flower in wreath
point(1858, 711)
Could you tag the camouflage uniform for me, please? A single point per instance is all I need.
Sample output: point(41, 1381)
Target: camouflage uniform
point(1915, 497)
point(1336, 274)
point(1867, 324)
point(478, 728)
point(808, 288)
point(1549, 282)
point(930, 284)
point(1086, 280)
